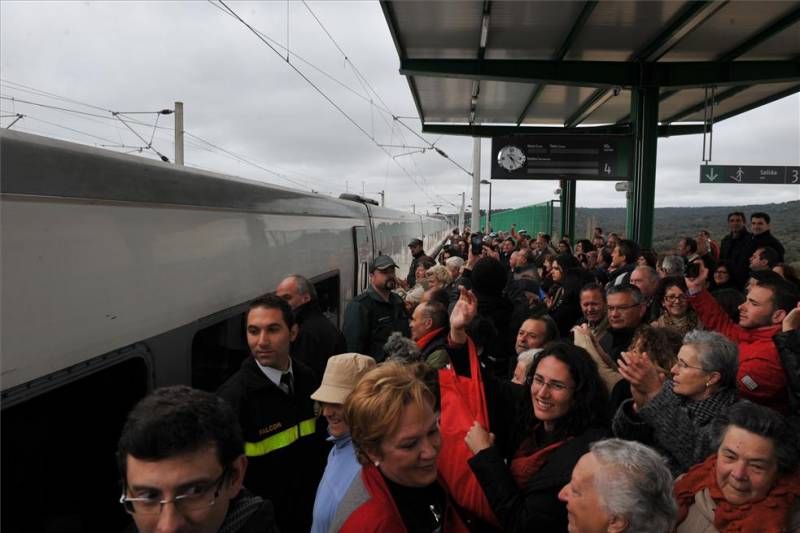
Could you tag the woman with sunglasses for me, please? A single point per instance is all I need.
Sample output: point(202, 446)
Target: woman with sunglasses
point(675, 417)
point(561, 410)
point(676, 312)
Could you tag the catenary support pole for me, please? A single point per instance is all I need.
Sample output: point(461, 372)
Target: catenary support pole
point(475, 222)
point(461, 212)
point(179, 133)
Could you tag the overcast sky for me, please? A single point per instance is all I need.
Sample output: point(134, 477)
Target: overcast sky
point(241, 96)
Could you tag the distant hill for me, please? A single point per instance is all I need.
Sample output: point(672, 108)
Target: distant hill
point(672, 223)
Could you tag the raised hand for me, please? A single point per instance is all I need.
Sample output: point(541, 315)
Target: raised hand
point(478, 438)
point(792, 320)
point(464, 311)
point(642, 374)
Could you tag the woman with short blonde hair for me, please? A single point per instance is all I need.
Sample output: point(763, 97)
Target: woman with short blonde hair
point(438, 277)
point(395, 433)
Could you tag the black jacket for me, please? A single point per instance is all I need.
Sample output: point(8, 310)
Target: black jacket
point(762, 240)
point(536, 507)
point(733, 250)
point(369, 320)
point(284, 440)
point(318, 338)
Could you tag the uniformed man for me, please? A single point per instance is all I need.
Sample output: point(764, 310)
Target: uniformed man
point(377, 312)
point(284, 440)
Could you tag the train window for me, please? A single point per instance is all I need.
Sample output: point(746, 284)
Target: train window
point(58, 453)
point(328, 295)
point(218, 351)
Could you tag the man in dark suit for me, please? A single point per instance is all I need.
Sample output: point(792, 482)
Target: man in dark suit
point(318, 338)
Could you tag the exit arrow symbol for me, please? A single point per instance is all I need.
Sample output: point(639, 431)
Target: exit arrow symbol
point(712, 176)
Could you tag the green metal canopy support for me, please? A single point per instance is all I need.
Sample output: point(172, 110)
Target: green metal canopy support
point(568, 209)
point(644, 117)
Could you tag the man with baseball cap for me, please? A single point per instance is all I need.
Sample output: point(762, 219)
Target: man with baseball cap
point(340, 378)
point(417, 253)
point(374, 314)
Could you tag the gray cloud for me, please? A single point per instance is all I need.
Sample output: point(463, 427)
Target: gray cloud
point(241, 96)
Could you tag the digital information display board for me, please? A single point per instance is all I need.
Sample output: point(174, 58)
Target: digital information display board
point(553, 157)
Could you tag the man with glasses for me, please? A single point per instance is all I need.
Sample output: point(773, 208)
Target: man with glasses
point(182, 461)
point(625, 313)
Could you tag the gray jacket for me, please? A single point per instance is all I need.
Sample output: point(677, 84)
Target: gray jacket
point(678, 427)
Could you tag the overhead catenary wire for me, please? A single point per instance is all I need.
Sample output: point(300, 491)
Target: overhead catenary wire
point(228, 11)
point(323, 94)
point(382, 101)
point(297, 57)
point(209, 146)
point(370, 89)
point(148, 146)
point(360, 77)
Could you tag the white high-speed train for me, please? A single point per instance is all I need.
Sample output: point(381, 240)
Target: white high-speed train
point(120, 274)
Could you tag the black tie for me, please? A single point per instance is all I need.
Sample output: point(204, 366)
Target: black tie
point(286, 383)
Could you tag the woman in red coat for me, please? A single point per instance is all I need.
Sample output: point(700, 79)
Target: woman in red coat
point(396, 437)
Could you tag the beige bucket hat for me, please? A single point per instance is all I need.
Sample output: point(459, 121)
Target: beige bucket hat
point(341, 375)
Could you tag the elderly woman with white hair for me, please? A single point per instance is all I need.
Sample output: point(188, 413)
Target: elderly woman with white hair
point(620, 486)
point(524, 362)
point(675, 417)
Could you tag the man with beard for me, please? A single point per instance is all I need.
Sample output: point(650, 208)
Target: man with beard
point(318, 338)
point(375, 313)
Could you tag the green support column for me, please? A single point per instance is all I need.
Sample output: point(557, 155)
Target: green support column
point(644, 116)
point(568, 208)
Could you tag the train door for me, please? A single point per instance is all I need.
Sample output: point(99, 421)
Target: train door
point(362, 252)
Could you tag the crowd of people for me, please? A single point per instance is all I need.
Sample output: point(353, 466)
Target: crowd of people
point(510, 383)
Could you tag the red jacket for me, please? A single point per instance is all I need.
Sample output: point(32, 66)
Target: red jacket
point(375, 510)
point(761, 377)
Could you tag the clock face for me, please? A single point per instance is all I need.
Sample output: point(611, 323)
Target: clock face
point(511, 158)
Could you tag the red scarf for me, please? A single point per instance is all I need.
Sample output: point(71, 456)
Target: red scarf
point(770, 514)
point(428, 337)
point(524, 467)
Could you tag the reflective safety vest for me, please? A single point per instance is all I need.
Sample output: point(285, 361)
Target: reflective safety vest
point(281, 439)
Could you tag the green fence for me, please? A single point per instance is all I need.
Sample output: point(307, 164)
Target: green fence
point(537, 218)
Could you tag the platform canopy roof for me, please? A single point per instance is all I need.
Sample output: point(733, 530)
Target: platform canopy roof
point(488, 68)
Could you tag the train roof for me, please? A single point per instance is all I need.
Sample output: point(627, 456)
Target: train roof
point(33, 165)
